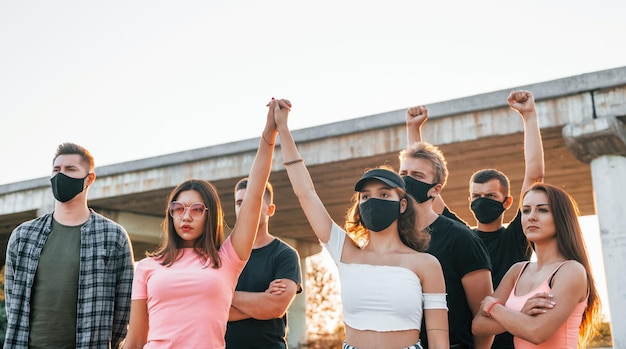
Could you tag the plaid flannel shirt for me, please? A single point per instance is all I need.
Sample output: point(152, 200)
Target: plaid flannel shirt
point(104, 285)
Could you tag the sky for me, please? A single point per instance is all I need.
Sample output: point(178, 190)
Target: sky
point(135, 79)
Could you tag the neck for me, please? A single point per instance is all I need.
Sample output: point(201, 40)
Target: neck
point(548, 254)
point(490, 227)
point(71, 213)
point(385, 241)
point(263, 237)
point(425, 214)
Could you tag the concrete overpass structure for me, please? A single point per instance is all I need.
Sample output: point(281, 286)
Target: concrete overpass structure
point(584, 136)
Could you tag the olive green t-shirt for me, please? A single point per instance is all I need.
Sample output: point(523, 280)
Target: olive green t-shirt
point(55, 290)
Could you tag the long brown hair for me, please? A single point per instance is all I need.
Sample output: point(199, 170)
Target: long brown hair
point(208, 244)
point(410, 235)
point(571, 244)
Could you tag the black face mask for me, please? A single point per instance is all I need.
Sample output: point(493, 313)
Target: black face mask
point(487, 210)
point(378, 214)
point(418, 189)
point(65, 188)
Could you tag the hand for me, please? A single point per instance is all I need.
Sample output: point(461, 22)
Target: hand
point(285, 101)
point(270, 114)
point(521, 101)
point(538, 304)
point(276, 287)
point(281, 108)
point(487, 305)
point(416, 116)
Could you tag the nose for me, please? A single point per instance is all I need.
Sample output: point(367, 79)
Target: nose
point(187, 214)
point(531, 216)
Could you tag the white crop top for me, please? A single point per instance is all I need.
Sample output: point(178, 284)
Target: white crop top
point(379, 297)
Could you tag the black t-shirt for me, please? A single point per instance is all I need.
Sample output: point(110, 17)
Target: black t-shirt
point(459, 252)
point(277, 260)
point(506, 246)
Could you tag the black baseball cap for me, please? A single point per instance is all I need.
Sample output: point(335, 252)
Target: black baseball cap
point(388, 177)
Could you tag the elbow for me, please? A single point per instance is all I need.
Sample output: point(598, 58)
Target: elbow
point(305, 195)
point(534, 340)
point(275, 313)
point(534, 176)
point(478, 329)
point(270, 312)
point(535, 337)
point(534, 333)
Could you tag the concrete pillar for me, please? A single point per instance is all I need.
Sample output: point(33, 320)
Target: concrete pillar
point(297, 314)
point(297, 310)
point(602, 143)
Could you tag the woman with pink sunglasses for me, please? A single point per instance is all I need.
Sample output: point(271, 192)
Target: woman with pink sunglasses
point(182, 292)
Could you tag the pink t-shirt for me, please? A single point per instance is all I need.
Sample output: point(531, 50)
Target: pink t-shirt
point(188, 303)
point(566, 337)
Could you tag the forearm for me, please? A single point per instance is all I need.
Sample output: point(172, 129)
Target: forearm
point(260, 305)
point(437, 329)
point(483, 325)
point(298, 174)
point(244, 230)
point(529, 328)
point(261, 167)
point(235, 314)
point(413, 135)
point(533, 150)
point(303, 187)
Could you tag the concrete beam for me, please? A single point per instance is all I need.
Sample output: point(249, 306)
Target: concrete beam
point(598, 137)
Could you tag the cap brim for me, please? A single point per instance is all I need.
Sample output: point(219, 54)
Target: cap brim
point(359, 185)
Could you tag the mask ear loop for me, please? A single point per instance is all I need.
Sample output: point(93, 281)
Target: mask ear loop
point(508, 202)
point(92, 180)
point(406, 204)
point(436, 191)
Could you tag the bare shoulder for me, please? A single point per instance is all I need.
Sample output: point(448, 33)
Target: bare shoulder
point(517, 267)
point(423, 263)
point(428, 269)
point(570, 280)
point(572, 268)
point(428, 259)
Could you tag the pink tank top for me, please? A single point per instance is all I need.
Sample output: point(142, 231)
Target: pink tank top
point(566, 337)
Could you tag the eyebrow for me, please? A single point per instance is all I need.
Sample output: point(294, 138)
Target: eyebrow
point(536, 205)
point(423, 173)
